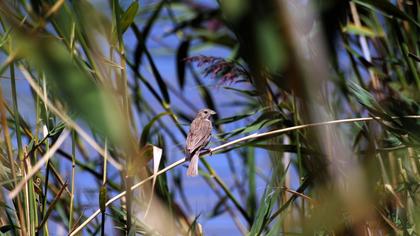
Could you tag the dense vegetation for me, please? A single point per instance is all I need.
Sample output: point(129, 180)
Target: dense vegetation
point(317, 116)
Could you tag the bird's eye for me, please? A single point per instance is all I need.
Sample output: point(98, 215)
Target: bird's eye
point(205, 112)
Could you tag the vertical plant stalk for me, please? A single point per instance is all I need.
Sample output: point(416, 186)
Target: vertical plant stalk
point(299, 157)
point(19, 143)
point(19, 219)
point(122, 88)
point(33, 207)
point(412, 158)
point(47, 147)
point(252, 198)
point(129, 183)
point(103, 192)
point(412, 67)
point(47, 179)
point(123, 81)
point(393, 168)
point(73, 176)
point(286, 159)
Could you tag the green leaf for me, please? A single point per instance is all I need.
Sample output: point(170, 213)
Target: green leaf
point(161, 83)
point(369, 102)
point(146, 130)
point(266, 119)
point(366, 99)
point(128, 16)
point(285, 148)
point(142, 36)
point(234, 118)
point(251, 93)
point(57, 130)
point(387, 8)
point(181, 54)
point(234, 8)
point(361, 30)
point(218, 208)
point(251, 201)
point(208, 99)
point(267, 203)
point(252, 127)
point(210, 38)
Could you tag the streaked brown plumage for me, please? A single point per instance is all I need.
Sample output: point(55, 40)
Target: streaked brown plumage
point(198, 137)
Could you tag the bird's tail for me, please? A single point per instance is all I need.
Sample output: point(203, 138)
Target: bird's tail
point(193, 167)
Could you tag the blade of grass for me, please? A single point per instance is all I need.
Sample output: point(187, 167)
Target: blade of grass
point(181, 55)
point(251, 201)
point(19, 142)
point(73, 179)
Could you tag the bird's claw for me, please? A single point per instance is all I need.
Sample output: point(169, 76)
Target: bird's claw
point(208, 150)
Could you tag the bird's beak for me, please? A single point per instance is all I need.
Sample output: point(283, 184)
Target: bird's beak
point(213, 113)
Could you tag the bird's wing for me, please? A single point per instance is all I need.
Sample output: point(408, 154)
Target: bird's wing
point(199, 134)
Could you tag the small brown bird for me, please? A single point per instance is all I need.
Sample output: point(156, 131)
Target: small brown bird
point(198, 137)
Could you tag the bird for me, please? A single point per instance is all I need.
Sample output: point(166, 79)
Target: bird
point(198, 138)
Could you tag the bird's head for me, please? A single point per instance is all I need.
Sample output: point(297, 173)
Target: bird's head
point(205, 113)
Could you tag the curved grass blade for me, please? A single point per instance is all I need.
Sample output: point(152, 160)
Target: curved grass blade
point(142, 36)
point(128, 16)
point(181, 54)
point(146, 130)
point(161, 83)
